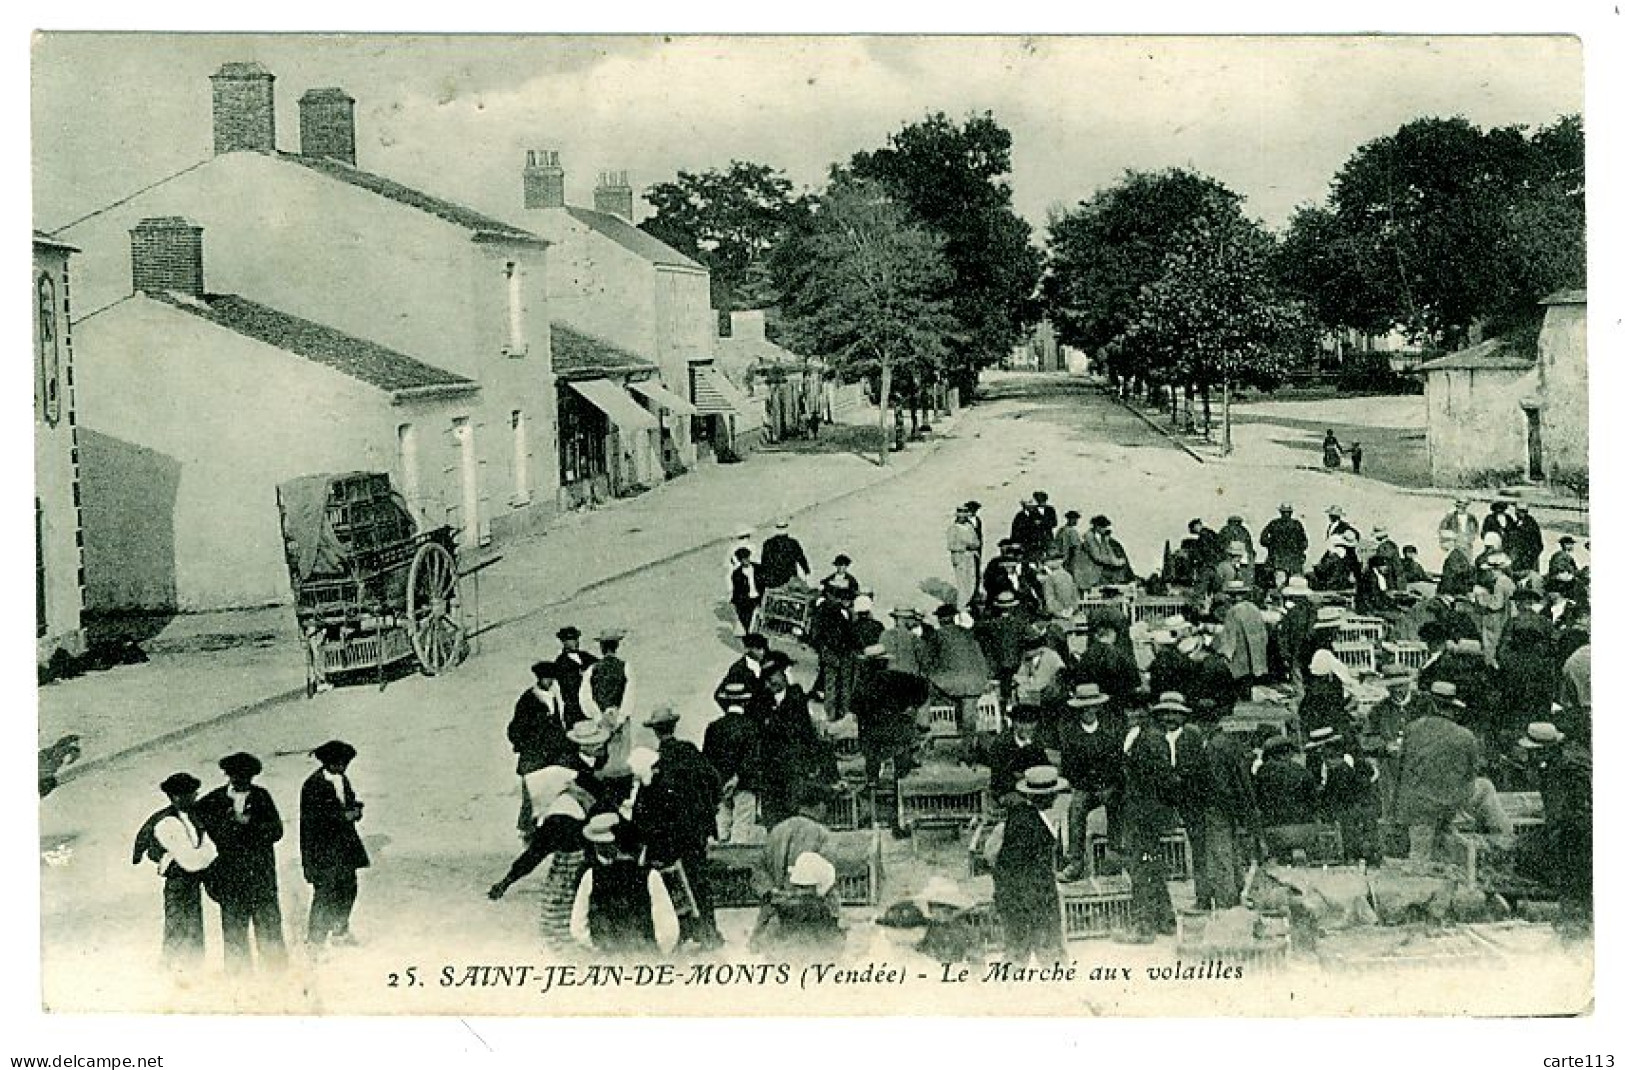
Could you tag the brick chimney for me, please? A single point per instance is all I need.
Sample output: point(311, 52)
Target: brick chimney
point(613, 194)
point(544, 179)
point(749, 326)
point(327, 124)
point(166, 256)
point(244, 108)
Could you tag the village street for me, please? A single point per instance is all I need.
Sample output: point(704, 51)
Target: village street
point(436, 771)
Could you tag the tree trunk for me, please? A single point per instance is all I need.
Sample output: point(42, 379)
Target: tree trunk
point(1227, 416)
point(1207, 412)
point(885, 409)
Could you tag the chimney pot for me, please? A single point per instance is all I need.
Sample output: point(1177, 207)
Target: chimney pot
point(244, 108)
point(166, 256)
point(544, 179)
point(613, 194)
point(327, 125)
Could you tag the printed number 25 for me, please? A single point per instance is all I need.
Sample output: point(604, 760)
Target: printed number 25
point(409, 979)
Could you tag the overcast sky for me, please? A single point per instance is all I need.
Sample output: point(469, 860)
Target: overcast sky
point(1272, 117)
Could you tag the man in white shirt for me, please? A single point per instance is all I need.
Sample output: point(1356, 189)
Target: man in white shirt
point(172, 840)
point(622, 907)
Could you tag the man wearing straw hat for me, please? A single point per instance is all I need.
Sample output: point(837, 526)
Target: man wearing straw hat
point(1564, 844)
point(1092, 761)
point(1157, 758)
point(1024, 891)
point(622, 907)
point(783, 559)
point(1438, 760)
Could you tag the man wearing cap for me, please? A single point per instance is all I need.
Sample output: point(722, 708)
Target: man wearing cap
point(1438, 760)
point(539, 723)
point(964, 544)
point(330, 848)
point(1024, 891)
point(733, 746)
point(569, 667)
point(783, 559)
point(1092, 761)
point(1562, 849)
point(1562, 570)
point(885, 703)
point(173, 840)
point(1047, 513)
point(676, 814)
point(747, 671)
point(241, 818)
point(745, 590)
point(623, 908)
point(1157, 761)
point(1460, 526)
point(1285, 543)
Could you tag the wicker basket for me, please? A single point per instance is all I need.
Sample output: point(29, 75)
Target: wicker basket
point(1361, 629)
point(1175, 853)
point(1152, 610)
point(930, 799)
point(858, 870)
point(1096, 907)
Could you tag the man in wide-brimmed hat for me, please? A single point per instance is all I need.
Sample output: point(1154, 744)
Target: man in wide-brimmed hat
point(1285, 543)
point(1024, 891)
point(676, 814)
point(1159, 758)
point(242, 819)
point(623, 908)
point(1562, 850)
point(1438, 760)
point(173, 840)
point(330, 848)
point(1092, 761)
point(733, 746)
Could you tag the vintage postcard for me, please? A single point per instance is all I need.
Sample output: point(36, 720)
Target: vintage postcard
point(549, 525)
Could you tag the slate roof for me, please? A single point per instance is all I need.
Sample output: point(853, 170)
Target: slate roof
point(1565, 297)
point(582, 356)
point(629, 237)
point(467, 218)
point(1489, 355)
point(358, 358)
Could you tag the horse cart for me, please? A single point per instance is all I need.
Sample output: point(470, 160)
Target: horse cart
point(371, 590)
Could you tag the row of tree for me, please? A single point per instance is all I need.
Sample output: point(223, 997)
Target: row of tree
point(911, 266)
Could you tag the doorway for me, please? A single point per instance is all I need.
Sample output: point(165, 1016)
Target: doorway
point(1537, 462)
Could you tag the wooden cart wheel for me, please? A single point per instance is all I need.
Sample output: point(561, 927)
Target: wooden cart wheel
point(434, 614)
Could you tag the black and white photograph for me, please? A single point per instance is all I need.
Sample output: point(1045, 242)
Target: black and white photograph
point(708, 525)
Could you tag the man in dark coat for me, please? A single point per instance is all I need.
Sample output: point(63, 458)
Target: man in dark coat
point(1349, 794)
point(792, 750)
point(540, 721)
point(1005, 571)
point(1000, 635)
point(1285, 543)
point(1438, 761)
point(1108, 662)
point(677, 815)
point(745, 590)
point(1457, 576)
point(242, 819)
point(1032, 530)
point(733, 746)
point(1012, 752)
point(1524, 541)
point(1024, 891)
point(172, 839)
point(330, 848)
point(833, 639)
point(1498, 522)
point(1529, 667)
point(569, 667)
point(1230, 814)
point(1285, 790)
point(1092, 760)
point(1154, 793)
point(884, 703)
point(783, 559)
point(1562, 569)
point(1563, 846)
point(749, 669)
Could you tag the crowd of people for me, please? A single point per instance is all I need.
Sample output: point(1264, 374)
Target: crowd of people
point(1135, 724)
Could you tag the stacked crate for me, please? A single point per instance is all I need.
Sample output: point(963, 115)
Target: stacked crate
point(1096, 907)
point(942, 797)
point(858, 870)
point(1174, 850)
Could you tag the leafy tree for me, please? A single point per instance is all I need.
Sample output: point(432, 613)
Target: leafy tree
point(1103, 252)
point(861, 285)
point(1442, 225)
point(728, 220)
point(952, 177)
point(1216, 316)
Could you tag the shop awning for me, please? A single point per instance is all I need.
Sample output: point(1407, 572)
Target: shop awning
point(617, 404)
point(662, 397)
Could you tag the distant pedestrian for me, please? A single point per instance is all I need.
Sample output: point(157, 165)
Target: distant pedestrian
point(609, 693)
point(964, 545)
point(569, 667)
point(1331, 451)
point(330, 848)
point(173, 841)
point(1461, 526)
point(1356, 456)
point(242, 819)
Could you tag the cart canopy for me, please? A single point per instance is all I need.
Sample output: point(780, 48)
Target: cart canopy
point(315, 548)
